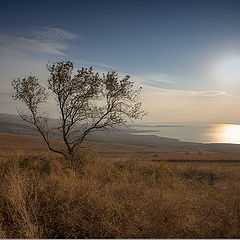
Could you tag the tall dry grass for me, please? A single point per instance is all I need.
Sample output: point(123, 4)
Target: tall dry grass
point(42, 197)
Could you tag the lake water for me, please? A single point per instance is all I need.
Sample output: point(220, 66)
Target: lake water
point(206, 133)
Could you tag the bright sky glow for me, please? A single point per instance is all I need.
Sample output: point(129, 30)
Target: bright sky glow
point(228, 70)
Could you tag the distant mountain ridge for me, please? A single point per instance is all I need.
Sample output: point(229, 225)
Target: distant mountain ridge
point(13, 124)
point(10, 123)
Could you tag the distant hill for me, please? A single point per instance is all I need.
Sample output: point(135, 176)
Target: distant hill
point(13, 124)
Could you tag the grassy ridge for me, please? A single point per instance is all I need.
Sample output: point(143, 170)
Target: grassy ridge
point(41, 197)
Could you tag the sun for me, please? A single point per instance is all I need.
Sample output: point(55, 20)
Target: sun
point(228, 70)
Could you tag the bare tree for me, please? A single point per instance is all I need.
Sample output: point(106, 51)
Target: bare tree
point(86, 101)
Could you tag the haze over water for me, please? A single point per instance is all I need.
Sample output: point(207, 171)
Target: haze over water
point(204, 133)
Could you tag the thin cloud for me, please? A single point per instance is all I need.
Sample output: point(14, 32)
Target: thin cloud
point(154, 80)
point(184, 93)
point(212, 93)
point(175, 105)
point(92, 63)
point(9, 43)
point(46, 40)
point(47, 33)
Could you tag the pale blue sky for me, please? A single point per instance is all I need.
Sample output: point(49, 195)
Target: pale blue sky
point(185, 54)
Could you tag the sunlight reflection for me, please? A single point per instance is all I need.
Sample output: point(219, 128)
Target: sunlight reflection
point(229, 133)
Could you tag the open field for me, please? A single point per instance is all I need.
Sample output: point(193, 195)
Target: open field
point(41, 197)
point(140, 188)
point(116, 193)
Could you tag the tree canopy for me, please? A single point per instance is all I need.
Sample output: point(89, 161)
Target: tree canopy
point(87, 101)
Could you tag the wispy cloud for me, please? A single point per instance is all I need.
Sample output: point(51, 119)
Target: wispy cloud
point(11, 44)
point(95, 64)
point(46, 40)
point(184, 93)
point(176, 105)
point(211, 93)
point(154, 79)
point(52, 33)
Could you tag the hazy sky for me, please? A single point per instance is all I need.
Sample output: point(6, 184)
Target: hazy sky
point(185, 54)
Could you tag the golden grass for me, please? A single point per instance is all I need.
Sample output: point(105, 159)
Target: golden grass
point(41, 197)
point(115, 195)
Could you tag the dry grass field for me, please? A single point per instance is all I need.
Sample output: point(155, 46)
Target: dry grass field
point(115, 196)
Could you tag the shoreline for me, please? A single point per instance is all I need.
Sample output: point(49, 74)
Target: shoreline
point(193, 133)
point(128, 137)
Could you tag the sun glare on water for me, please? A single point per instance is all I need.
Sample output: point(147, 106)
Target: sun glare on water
point(229, 133)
